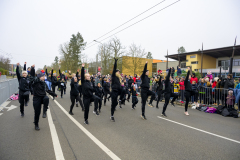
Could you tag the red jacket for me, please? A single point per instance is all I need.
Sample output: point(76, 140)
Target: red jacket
point(134, 79)
point(214, 84)
point(182, 87)
point(194, 79)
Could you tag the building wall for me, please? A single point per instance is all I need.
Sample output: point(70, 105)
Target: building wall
point(208, 61)
point(162, 65)
point(128, 65)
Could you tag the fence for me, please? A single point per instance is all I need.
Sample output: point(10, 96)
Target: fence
point(7, 88)
point(205, 95)
point(3, 78)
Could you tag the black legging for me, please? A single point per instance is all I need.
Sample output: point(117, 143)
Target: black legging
point(105, 96)
point(98, 103)
point(37, 105)
point(114, 96)
point(73, 98)
point(167, 98)
point(53, 88)
point(134, 101)
point(188, 95)
point(144, 95)
point(86, 102)
point(159, 92)
point(22, 100)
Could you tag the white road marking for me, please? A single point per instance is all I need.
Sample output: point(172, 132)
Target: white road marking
point(1, 114)
point(95, 140)
point(11, 107)
point(4, 104)
point(55, 139)
point(216, 135)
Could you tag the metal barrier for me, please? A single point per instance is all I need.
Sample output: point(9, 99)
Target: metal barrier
point(7, 88)
point(3, 78)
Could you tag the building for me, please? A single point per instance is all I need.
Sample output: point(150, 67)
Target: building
point(211, 60)
point(135, 65)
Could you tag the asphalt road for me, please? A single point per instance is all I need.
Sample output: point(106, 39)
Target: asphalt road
point(129, 138)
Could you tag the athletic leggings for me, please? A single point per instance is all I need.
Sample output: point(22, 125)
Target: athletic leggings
point(86, 103)
point(159, 92)
point(167, 98)
point(134, 101)
point(98, 103)
point(37, 105)
point(22, 100)
point(105, 96)
point(144, 95)
point(114, 96)
point(53, 88)
point(188, 95)
point(73, 98)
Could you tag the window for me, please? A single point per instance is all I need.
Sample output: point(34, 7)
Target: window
point(237, 75)
point(194, 62)
point(154, 67)
point(183, 65)
point(236, 62)
point(193, 56)
point(196, 70)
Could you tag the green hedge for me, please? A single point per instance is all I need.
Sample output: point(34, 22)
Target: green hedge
point(3, 71)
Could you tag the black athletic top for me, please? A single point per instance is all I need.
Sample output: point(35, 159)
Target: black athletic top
point(115, 80)
point(87, 87)
point(24, 83)
point(168, 85)
point(187, 84)
point(160, 85)
point(106, 86)
point(145, 79)
point(54, 79)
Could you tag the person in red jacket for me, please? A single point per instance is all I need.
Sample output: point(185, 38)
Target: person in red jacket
point(193, 78)
point(182, 89)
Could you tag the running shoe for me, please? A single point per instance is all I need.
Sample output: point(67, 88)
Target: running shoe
point(150, 105)
point(76, 104)
point(112, 119)
point(173, 104)
point(143, 117)
point(86, 122)
point(163, 115)
point(96, 112)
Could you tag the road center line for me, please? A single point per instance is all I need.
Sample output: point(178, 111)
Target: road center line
point(55, 139)
point(94, 139)
point(216, 135)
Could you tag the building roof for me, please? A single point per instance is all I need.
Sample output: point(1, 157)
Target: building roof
point(216, 53)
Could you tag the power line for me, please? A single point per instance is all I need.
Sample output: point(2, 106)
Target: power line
point(135, 23)
point(129, 20)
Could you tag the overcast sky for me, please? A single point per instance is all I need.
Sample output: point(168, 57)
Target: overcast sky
point(32, 30)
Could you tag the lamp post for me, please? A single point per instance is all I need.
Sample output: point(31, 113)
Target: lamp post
point(101, 52)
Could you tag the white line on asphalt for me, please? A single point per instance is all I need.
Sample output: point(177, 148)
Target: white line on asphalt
point(4, 104)
point(95, 140)
point(1, 114)
point(216, 135)
point(55, 139)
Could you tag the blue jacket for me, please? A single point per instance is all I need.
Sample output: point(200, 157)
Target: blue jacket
point(238, 86)
point(236, 93)
point(179, 71)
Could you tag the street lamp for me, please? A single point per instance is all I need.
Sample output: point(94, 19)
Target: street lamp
point(101, 52)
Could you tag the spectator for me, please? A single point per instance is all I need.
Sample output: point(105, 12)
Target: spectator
point(228, 83)
point(193, 78)
point(238, 86)
point(179, 71)
point(159, 71)
point(173, 71)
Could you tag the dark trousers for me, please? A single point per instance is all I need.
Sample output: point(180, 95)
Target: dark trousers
point(144, 95)
point(73, 98)
point(114, 96)
point(97, 104)
point(188, 95)
point(128, 93)
point(182, 94)
point(105, 96)
point(53, 88)
point(22, 100)
point(167, 98)
point(37, 105)
point(63, 89)
point(159, 93)
point(134, 101)
point(86, 103)
point(79, 100)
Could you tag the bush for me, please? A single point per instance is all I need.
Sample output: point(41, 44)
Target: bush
point(3, 71)
point(197, 74)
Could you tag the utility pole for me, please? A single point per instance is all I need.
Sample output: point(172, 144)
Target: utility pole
point(202, 60)
point(231, 59)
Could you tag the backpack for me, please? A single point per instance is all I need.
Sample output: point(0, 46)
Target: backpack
point(233, 112)
point(220, 109)
point(225, 112)
point(211, 110)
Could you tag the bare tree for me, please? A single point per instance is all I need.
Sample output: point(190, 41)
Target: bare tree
point(135, 63)
point(105, 51)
